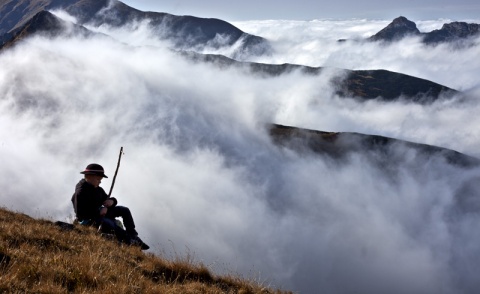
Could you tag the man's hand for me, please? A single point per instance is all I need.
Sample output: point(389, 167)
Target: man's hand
point(108, 203)
point(103, 211)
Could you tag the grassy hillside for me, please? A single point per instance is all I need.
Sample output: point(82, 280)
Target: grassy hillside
point(37, 256)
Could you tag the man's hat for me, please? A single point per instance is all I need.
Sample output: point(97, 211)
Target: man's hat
point(94, 169)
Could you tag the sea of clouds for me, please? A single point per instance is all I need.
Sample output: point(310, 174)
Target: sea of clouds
point(202, 176)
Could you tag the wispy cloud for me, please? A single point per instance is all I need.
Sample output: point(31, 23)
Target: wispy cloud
point(200, 171)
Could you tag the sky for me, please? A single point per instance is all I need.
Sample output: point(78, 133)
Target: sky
point(201, 175)
point(312, 9)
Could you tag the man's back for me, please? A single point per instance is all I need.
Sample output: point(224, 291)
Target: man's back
point(87, 200)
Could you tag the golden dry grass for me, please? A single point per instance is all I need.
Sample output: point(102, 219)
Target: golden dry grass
point(36, 256)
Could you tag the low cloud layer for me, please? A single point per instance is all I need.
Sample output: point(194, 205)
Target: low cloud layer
point(201, 174)
point(315, 43)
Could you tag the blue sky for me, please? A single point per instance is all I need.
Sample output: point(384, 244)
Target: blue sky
point(314, 9)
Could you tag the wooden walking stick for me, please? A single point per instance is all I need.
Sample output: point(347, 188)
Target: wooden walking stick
point(116, 171)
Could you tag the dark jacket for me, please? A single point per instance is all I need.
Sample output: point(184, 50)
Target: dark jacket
point(88, 200)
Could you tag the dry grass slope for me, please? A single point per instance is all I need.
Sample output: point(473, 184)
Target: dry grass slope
point(36, 256)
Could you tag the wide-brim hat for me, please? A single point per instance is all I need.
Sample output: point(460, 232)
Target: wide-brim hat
point(94, 169)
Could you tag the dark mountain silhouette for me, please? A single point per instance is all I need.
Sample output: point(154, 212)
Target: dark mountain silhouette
point(381, 150)
point(367, 84)
point(43, 23)
point(387, 154)
point(401, 27)
point(396, 30)
point(389, 86)
point(455, 31)
point(363, 84)
point(183, 31)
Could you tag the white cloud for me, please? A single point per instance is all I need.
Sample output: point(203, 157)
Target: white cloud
point(200, 171)
point(314, 43)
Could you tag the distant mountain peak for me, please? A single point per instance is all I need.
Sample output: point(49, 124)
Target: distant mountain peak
point(462, 29)
point(399, 28)
point(402, 21)
point(451, 32)
point(45, 23)
point(44, 20)
point(184, 32)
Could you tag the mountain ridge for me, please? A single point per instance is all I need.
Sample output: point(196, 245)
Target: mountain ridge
point(183, 31)
point(338, 145)
point(362, 84)
point(44, 23)
point(399, 28)
point(402, 27)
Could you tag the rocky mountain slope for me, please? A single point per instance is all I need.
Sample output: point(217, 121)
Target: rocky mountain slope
point(338, 145)
point(452, 32)
point(396, 30)
point(362, 84)
point(43, 23)
point(24, 18)
point(182, 31)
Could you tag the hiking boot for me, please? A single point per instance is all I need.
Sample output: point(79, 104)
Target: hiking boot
point(136, 241)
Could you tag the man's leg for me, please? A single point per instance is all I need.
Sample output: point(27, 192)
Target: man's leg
point(126, 215)
point(108, 225)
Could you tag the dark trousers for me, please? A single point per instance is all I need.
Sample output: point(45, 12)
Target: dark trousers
point(108, 222)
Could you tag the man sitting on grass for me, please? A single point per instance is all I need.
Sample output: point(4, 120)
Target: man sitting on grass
point(93, 207)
